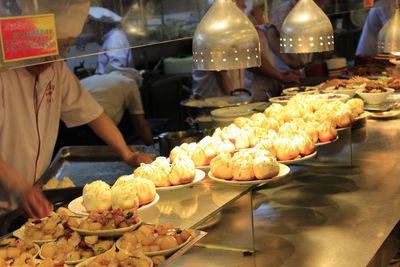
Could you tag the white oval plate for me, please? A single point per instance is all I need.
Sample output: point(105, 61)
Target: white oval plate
point(280, 99)
point(87, 261)
point(76, 205)
point(385, 114)
point(327, 142)
point(166, 252)
point(283, 171)
point(20, 233)
point(66, 263)
point(108, 233)
point(199, 176)
point(295, 90)
point(288, 162)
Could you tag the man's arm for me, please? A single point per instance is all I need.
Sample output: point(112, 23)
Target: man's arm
point(105, 128)
point(31, 198)
point(224, 81)
point(142, 128)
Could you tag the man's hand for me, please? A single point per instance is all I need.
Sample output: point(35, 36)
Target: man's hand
point(135, 158)
point(291, 77)
point(35, 203)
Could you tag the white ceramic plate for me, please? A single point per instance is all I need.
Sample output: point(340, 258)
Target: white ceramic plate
point(20, 233)
point(67, 263)
point(283, 100)
point(328, 142)
point(283, 171)
point(87, 261)
point(199, 176)
point(385, 114)
point(108, 233)
point(76, 205)
point(295, 90)
point(288, 162)
point(166, 252)
point(237, 111)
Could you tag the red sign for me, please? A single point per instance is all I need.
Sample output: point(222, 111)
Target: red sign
point(368, 3)
point(26, 37)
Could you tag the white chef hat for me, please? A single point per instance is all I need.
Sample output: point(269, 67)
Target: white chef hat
point(70, 15)
point(103, 15)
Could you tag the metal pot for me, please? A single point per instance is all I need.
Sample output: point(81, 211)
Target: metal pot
point(169, 140)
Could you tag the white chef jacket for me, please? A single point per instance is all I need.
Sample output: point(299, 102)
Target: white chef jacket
point(116, 92)
point(377, 18)
point(114, 39)
point(27, 140)
point(206, 84)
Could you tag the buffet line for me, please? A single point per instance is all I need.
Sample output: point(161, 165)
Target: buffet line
point(103, 228)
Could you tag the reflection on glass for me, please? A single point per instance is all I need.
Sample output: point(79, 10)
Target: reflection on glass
point(143, 22)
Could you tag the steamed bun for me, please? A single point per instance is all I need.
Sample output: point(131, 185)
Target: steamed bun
point(97, 196)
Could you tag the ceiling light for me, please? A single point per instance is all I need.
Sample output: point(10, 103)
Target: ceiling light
point(389, 35)
point(225, 39)
point(306, 29)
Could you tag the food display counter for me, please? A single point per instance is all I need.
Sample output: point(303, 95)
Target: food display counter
point(339, 208)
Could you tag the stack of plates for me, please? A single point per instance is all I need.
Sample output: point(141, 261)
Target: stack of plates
point(225, 116)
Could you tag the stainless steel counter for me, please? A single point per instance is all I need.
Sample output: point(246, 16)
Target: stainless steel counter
point(326, 214)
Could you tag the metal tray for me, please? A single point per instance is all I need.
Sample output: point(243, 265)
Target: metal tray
point(84, 164)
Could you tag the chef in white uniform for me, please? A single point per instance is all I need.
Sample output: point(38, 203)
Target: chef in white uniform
point(32, 101)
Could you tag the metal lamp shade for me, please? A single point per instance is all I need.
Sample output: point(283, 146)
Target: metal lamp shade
point(306, 29)
point(389, 35)
point(225, 39)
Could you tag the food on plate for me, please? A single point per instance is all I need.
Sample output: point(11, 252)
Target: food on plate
point(374, 89)
point(326, 132)
point(106, 220)
point(286, 149)
point(146, 190)
point(356, 106)
point(54, 183)
point(124, 196)
point(344, 118)
point(120, 258)
point(162, 163)
point(265, 167)
point(154, 238)
point(73, 248)
point(153, 173)
point(97, 196)
point(242, 166)
point(305, 145)
point(16, 252)
point(48, 228)
point(221, 166)
point(182, 171)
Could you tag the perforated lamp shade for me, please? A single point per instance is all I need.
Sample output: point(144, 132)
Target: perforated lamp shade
point(389, 35)
point(306, 29)
point(225, 39)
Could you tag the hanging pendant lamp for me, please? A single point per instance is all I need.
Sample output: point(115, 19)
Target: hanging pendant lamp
point(225, 39)
point(306, 29)
point(389, 36)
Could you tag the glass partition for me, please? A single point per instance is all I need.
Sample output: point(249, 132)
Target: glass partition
point(133, 23)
